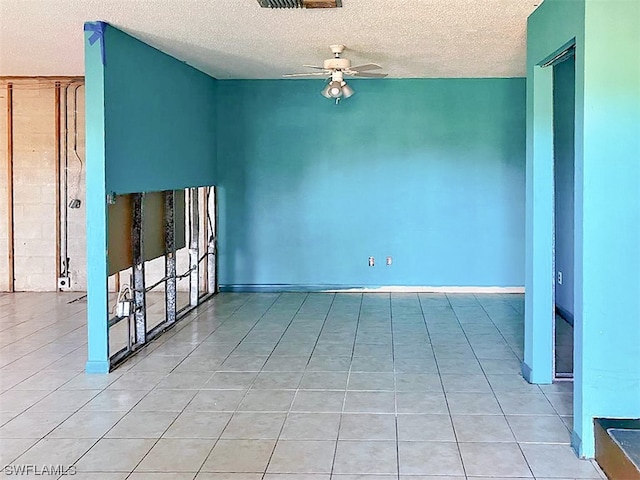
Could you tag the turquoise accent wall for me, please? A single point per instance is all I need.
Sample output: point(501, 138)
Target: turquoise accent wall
point(159, 119)
point(564, 99)
point(150, 126)
point(607, 206)
point(430, 172)
point(610, 297)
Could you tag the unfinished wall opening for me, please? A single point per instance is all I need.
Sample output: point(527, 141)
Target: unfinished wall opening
point(162, 263)
point(42, 213)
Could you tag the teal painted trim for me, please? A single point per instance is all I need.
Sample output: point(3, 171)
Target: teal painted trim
point(97, 367)
point(526, 372)
point(97, 309)
point(539, 271)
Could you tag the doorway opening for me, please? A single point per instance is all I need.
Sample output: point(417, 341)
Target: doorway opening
point(564, 209)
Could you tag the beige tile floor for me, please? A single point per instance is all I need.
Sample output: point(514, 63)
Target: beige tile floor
point(287, 386)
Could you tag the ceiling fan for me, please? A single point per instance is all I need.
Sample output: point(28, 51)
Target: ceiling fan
point(336, 68)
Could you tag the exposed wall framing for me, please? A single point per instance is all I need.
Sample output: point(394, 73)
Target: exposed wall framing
point(138, 300)
point(44, 128)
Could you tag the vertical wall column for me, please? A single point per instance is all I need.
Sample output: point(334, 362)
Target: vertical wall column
point(539, 270)
point(139, 294)
point(10, 204)
point(194, 250)
point(170, 256)
point(212, 284)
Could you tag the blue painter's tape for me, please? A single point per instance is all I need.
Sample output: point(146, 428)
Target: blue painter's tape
point(98, 29)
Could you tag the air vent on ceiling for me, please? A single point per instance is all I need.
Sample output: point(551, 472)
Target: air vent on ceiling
point(300, 3)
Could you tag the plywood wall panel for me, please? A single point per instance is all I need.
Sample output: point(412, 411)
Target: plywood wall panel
point(119, 250)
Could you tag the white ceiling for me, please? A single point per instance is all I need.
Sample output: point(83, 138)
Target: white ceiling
point(238, 39)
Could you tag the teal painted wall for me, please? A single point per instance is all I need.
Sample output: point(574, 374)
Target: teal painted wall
point(564, 101)
point(159, 119)
point(150, 126)
point(553, 26)
point(611, 212)
point(95, 203)
point(606, 201)
point(430, 172)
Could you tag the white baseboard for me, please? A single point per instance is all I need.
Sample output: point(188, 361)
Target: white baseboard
point(359, 289)
point(425, 289)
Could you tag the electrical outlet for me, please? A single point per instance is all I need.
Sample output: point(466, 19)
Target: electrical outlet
point(372, 261)
point(389, 260)
point(75, 203)
point(559, 278)
point(64, 283)
point(123, 308)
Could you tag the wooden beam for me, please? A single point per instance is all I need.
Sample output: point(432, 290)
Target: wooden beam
point(62, 79)
point(10, 206)
point(57, 176)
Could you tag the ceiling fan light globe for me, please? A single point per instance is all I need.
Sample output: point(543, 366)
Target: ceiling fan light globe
point(325, 91)
point(335, 89)
point(347, 91)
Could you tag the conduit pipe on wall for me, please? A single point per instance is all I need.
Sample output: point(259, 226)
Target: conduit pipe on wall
point(58, 156)
point(10, 205)
point(64, 202)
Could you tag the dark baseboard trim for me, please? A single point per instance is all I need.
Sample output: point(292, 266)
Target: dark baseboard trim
point(568, 316)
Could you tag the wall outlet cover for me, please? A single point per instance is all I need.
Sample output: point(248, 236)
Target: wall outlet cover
point(123, 308)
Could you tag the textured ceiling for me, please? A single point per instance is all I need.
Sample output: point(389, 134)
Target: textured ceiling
point(238, 39)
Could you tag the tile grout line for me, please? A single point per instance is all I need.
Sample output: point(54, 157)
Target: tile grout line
point(491, 387)
point(395, 387)
point(147, 394)
point(344, 400)
point(204, 461)
point(297, 389)
point(444, 393)
point(275, 444)
point(507, 342)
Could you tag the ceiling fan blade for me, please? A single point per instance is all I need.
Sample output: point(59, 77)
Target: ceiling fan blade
point(371, 75)
point(291, 75)
point(364, 68)
point(316, 67)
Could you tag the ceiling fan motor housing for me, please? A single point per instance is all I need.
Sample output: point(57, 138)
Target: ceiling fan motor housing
point(337, 64)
